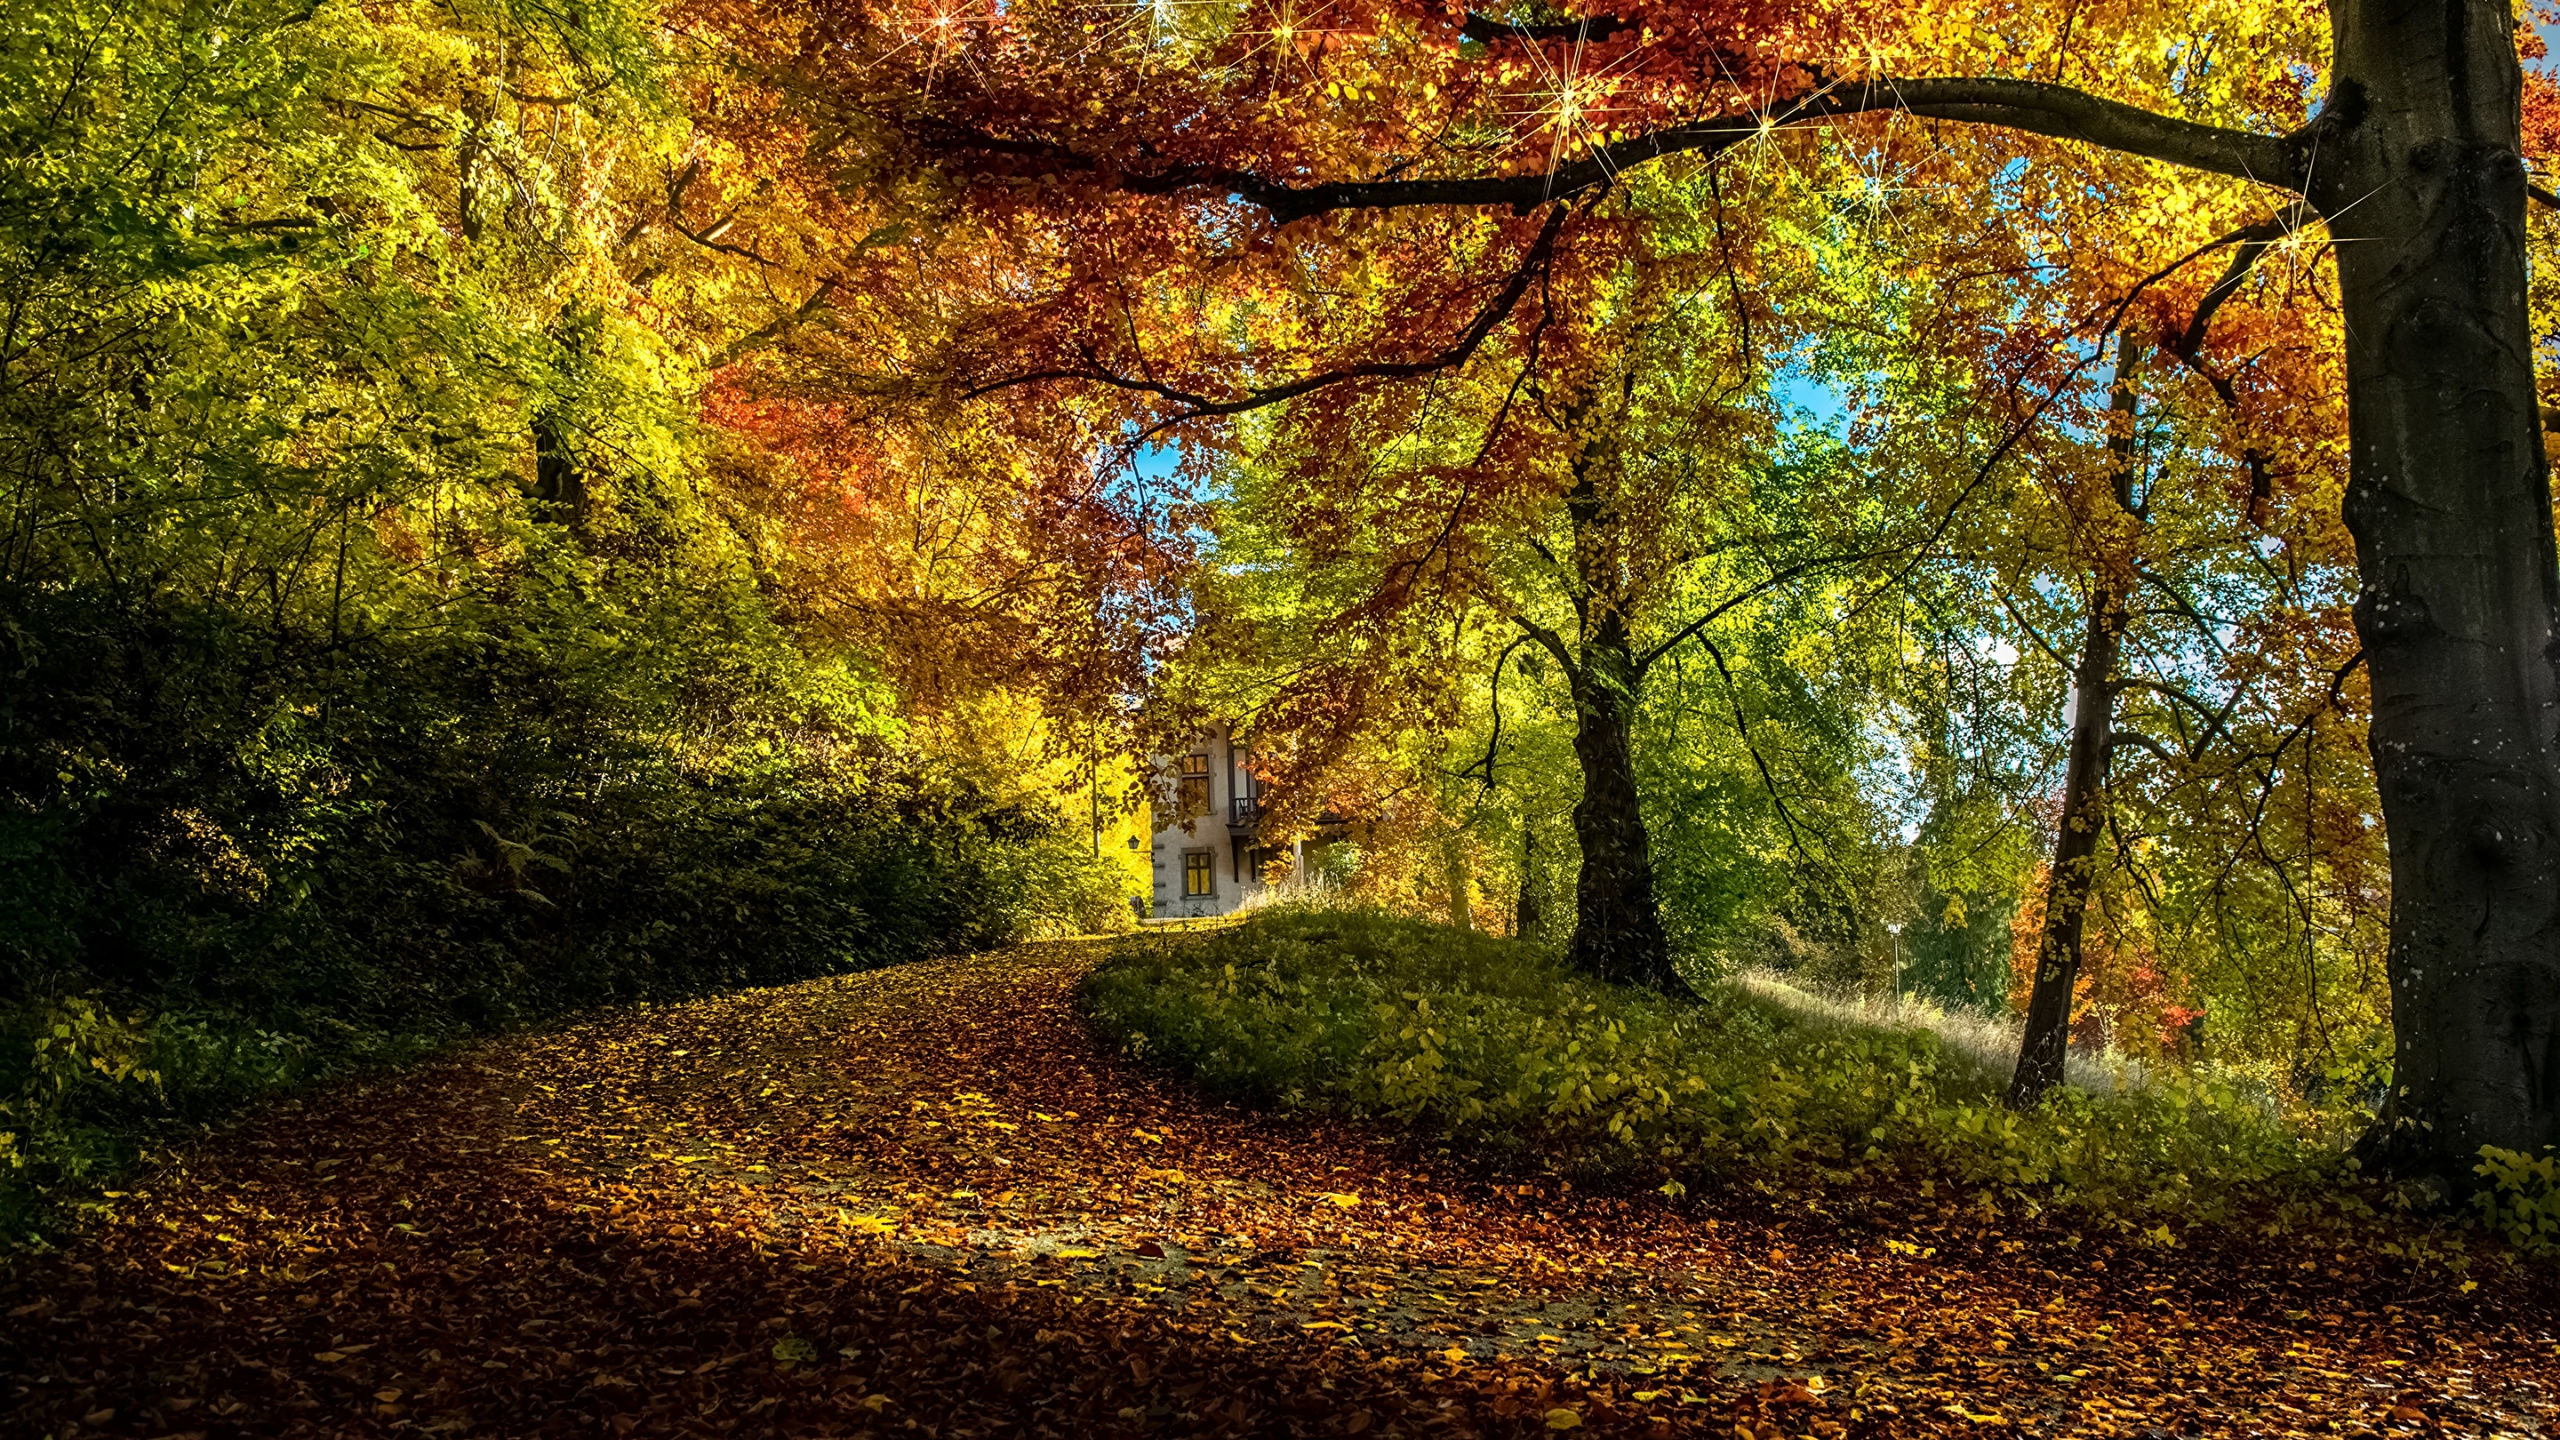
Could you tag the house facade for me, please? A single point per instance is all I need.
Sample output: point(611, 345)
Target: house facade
point(1209, 857)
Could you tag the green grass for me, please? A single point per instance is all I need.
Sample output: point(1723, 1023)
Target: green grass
point(1496, 1045)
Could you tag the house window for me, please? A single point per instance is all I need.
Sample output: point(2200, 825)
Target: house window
point(1197, 877)
point(1192, 794)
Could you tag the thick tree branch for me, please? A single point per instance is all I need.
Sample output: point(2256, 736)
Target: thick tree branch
point(2058, 111)
point(2176, 693)
point(776, 328)
point(1553, 643)
point(1485, 30)
point(2137, 738)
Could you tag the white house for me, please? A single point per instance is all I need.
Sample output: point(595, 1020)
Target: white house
point(1209, 858)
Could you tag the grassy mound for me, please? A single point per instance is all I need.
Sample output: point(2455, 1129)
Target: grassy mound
point(1495, 1044)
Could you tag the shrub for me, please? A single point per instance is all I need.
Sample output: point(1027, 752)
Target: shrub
point(348, 865)
point(2519, 1197)
point(1495, 1043)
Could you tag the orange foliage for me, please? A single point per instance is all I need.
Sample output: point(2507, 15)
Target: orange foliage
point(2128, 995)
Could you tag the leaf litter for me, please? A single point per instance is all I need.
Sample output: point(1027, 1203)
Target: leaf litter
point(925, 1200)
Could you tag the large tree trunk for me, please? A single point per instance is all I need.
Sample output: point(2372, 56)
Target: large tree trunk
point(2084, 776)
point(1617, 930)
point(2074, 871)
point(2420, 177)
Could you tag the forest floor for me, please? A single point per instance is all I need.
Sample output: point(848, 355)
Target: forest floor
point(925, 1200)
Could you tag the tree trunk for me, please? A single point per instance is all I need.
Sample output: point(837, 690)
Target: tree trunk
point(2067, 884)
point(2420, 176)
point(557, 481)
point(1454, 869)
point(1526, 923)
point(1617, 930)
point(2084, 778)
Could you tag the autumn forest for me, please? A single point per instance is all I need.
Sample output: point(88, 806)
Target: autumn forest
point(1750, 718)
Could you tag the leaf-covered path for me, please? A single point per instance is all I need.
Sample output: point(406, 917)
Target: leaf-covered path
point(924, 1200)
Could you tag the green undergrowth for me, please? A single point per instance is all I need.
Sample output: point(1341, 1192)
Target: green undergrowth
point(89, 1093)
point(1497, 1045)
point(161, 1012)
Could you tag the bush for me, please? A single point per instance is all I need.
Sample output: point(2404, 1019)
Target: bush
point(83, 1090)
point(227, 866)
point(1493, 1042)
point(2519, 1198)
point(1066, 889)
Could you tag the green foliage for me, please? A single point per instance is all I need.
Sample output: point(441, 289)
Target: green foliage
point(2519, 1197)
point(1466, 1036)
point(377, 661)
point(1061, 889)
point(82, 1089)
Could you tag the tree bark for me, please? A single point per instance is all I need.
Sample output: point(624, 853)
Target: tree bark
point(1617, 928)
point(2074, 869)
point(2073, 874)
point(1526, 922)
point(2423, 185)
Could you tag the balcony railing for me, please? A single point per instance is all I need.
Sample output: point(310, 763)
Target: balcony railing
point(1243, 809)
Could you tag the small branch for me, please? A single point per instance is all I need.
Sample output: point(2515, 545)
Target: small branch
point(1768, 781)
point(2254, 241)
point(1493, 746)
point(2136, 737)
point(1197, 406)
point(2034, 635)
point(1645, 661)
point(776, 328)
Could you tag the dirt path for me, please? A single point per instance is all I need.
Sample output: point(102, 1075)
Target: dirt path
point(923, 1201)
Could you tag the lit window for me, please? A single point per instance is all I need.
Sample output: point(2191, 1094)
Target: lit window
point(1197, 878)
